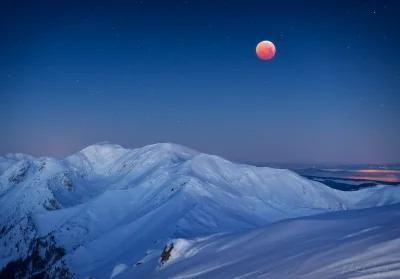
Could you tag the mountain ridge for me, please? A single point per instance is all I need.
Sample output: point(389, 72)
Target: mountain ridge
point(108, 200)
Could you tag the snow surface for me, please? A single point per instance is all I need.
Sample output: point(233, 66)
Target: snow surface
point(118, 269)
point(107, 205)
point(350, 244)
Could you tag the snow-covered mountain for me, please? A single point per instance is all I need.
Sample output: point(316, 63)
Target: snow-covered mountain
point(360, 244)
point(84, 214)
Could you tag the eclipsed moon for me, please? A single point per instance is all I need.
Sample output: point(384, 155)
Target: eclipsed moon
point(265, 50)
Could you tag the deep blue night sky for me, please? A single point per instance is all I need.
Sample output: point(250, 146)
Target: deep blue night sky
point(141, 72)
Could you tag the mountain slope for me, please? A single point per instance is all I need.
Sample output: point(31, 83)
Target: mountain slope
point(350, 244)
point(107, 204)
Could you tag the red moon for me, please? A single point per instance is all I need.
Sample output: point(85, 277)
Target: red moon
point(265, 50)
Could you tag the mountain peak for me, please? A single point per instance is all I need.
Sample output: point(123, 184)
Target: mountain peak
point(104, 145)
point(108, 147)
point(18, 156)
point(173, 148)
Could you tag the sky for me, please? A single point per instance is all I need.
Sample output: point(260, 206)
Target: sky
point(74, 73)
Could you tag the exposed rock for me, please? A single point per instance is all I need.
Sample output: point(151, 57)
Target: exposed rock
point(43, 166)
point(43, 254)
point(52, 205)
point(166, 253)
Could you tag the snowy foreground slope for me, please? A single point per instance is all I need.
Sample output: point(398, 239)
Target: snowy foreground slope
point(100, 211)
point(348, 244)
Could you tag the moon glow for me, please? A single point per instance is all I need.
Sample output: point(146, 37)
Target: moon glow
point(265, 50)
